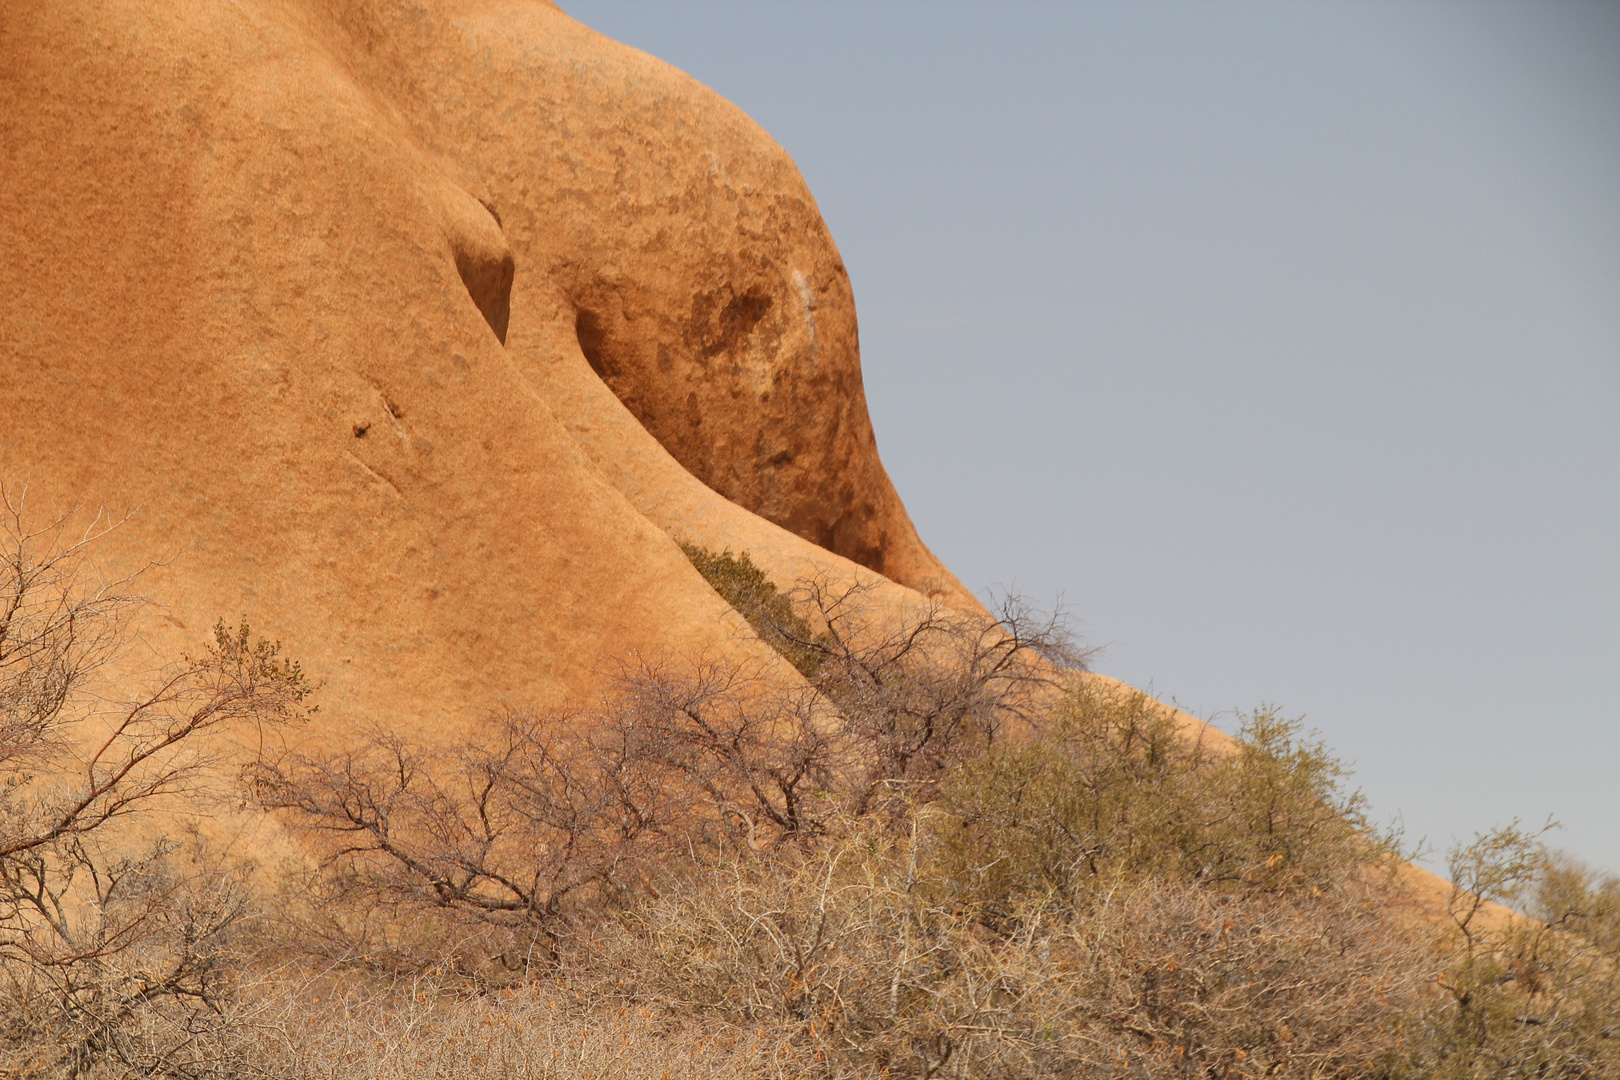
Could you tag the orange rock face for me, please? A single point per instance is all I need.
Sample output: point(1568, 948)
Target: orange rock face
point(419, 331)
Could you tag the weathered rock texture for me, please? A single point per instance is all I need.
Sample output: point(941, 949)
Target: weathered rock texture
point(416, 330)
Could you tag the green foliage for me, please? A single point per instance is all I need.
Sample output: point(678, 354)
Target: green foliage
point(745, 587)
point(257, 661)
point(1575, 898)
point(1531, 995)
point(1112, 787)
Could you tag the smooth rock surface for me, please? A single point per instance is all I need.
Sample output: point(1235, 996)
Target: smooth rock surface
point(419, 332)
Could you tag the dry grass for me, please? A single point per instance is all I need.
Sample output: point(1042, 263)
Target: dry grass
point(343, 1028)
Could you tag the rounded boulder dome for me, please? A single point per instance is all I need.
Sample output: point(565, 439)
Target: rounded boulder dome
point(421, 331)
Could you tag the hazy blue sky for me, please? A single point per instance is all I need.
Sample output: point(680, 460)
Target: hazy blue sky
point(1283, 340)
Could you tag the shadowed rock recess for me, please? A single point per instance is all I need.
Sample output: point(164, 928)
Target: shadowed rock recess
point(252, 257)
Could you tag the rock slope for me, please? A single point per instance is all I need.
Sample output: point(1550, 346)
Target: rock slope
point(419, 331)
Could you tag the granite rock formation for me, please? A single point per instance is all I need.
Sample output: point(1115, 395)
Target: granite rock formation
point(419, 331)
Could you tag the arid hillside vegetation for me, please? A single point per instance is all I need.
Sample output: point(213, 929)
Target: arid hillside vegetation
point(952, 853)
point(518, 662)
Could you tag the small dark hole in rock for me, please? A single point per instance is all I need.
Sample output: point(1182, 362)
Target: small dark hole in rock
point(591, 337)
point(360, 430)
point(489, 283)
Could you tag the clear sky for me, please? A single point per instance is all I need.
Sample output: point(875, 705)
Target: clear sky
point(1282, 340)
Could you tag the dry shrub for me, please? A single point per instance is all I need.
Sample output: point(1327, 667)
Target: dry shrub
point(938, 863)
point(869, 953)
point(1112, 785)
point(923, 693)
point(533, 824)
point(511, 832)
point(1529, 996)
point(1105, 899)
point(117, 927)
point(760, 763)
point(915, 692)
